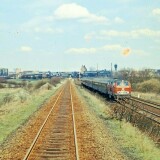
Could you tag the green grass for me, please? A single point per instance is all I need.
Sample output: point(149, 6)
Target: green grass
point(130, 140)
point(14, 114)
point(5, 91)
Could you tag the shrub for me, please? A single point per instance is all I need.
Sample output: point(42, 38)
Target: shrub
point(39, 84)
point(7, 98)
point(55, 80)
point(23, 84)
point(2, 80)
point(11, 82)
point(23, 95)
point(152, 85)
point(30, 85)
point(1, 86)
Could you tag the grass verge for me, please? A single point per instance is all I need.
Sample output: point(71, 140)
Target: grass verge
point(14, 114)
point(129, 139)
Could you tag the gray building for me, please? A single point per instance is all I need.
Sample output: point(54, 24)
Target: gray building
point(3, 72)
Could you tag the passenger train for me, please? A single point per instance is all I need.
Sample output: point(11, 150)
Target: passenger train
point(113, 88)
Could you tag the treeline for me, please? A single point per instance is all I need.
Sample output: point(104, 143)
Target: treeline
point(143, 81)
point(28, 84)
point(28, 88)
point(152, 85)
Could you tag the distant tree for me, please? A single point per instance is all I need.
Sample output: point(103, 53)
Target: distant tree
point(2, 86)
point(55, 80)
point(2, 80)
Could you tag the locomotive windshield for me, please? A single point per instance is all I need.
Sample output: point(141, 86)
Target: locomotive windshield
point(122, 83)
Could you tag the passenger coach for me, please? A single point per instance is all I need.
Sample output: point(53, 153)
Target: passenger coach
point(113, 88)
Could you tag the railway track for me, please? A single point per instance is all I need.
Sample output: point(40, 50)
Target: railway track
point(147, 108)
point(147, 101)
point(144, 107)
point(150, 109)
point(56, 138)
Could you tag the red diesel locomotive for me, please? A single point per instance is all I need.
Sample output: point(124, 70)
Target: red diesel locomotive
point(113, 88)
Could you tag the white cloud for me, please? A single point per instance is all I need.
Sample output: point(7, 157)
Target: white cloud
point(156, 12)
point(69, 11)
point(75, 11)
point(145, 32)
point(89, 36)
point(118, 20)
point(25, 49)
point(40, 25)
point(106, 48)
point(47, 30)
point(139, 52)
point(103, 34)
point(113, 33)
point(81, 50)
point(114, 47)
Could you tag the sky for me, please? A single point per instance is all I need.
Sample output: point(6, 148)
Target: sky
point(63, 35)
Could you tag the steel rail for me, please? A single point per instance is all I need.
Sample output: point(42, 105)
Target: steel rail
point(74, 127)
point(150, 105)
point(153, 103)
point(147, 101)
point(157, 115)
point(138, 112)
point(138, 100)
point(40, 130)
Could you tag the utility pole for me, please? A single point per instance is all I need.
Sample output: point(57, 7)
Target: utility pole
point(97, 70)
point(111, 69)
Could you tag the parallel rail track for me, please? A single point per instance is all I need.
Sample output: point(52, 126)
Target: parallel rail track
point(147, 101)
point(56, 138)
point(150, 109)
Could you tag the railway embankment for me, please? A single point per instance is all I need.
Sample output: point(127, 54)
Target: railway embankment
point(93, 140)
point(130, 140)
point(17, 105)
point(99, 134)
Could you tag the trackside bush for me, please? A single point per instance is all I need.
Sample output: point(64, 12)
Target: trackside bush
point(39, 84)
point(152, 85)
point(1, 86)
point(2, 80)
point(55, 80)
point(8, 98)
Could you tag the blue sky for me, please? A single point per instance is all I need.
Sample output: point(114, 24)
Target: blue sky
point(63, 35)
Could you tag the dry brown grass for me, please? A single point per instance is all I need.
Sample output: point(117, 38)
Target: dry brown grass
point(148, 96)
point(24, 104)
point(151, 86)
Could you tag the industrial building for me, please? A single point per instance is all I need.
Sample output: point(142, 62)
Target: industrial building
point(3, 72)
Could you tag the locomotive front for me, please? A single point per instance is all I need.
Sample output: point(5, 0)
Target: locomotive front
point(121, 89)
